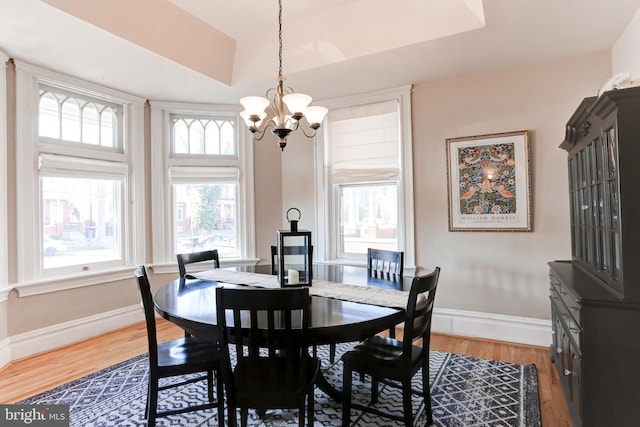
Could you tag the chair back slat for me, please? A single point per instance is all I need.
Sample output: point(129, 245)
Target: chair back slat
point(385, 264)
point(419, 311)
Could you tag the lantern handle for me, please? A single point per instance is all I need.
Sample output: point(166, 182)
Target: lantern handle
point(294, 209)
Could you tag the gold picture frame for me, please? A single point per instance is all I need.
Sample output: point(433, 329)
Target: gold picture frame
point(488, 179)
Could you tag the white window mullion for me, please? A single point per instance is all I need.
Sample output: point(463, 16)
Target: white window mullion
point(28, 202)
point(3, 182)
point(135, 212)
point(405, 192)
point(162, 215)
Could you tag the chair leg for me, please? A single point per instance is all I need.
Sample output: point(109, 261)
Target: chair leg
point(392, 332)
point(146, 407)
point(406, 402)
point(244, 416)
point(374, 389)
point(302, 413)
point(426, 393)
point(231, 415)
point(332, 352)
point(346, 396)
point(210, 381)
point(220, 400)
point(310, 408)
point(152, 402)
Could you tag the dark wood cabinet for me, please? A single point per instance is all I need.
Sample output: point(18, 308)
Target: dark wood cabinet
point(595, 296)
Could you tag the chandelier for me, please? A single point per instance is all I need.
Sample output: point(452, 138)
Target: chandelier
point(287, 108)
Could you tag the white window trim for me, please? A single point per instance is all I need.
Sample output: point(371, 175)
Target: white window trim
point(164, 260)
point(4, 286)
point(30, 278)
point(406, 240)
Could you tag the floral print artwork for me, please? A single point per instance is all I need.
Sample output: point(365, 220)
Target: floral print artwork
point(487, 179)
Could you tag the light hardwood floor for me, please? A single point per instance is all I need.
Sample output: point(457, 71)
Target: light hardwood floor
point(39, 373)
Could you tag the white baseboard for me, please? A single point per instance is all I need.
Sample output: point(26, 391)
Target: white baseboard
point(66, 333)
point(522, 330)
point(5, 352)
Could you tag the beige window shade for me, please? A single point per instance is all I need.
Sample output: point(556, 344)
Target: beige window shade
point(364, 143)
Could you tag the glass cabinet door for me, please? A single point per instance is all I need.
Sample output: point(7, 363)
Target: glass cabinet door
point(593, 187)
point(612, 205)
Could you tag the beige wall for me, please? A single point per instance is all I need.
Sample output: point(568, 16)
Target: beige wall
point(504, 272)
point(268, 195)
point(283, 179)
point(39, 311)
point(626, 52)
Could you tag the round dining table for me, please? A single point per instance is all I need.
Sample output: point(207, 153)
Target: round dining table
point(191, 304)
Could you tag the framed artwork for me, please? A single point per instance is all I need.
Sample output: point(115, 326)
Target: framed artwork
point(488, 178)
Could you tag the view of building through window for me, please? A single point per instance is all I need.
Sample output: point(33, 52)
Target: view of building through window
point(80, 221)
point(204, 183)
point(369, 217)
point(205, 218)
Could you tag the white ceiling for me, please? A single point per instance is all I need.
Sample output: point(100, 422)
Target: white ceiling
point(359, 45)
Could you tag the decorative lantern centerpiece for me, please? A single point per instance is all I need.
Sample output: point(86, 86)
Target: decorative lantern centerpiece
point(295, 254)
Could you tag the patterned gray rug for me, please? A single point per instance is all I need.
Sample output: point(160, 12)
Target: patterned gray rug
point(466, 391)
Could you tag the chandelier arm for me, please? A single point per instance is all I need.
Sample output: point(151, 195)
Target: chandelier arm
point(308, 135)
point(274, 95)
point(262, 130)
point(258, 135)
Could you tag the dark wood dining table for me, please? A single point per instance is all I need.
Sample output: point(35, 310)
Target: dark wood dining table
point(191, 304)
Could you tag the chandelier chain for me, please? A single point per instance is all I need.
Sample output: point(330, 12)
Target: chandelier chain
point(280, 38)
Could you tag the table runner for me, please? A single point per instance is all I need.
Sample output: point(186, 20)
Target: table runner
point(321, 288)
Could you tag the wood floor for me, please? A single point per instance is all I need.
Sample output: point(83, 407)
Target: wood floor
point(39, 373)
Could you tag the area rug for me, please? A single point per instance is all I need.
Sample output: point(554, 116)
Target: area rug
point(466, 391)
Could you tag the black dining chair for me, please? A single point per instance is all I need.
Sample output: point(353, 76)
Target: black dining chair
point(387, 359)
point(386, 266)
point(267, 329)
point(182, 356)
point(194, 257)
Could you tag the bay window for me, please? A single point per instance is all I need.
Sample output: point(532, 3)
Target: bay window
point(77, 149)
point(202, 182)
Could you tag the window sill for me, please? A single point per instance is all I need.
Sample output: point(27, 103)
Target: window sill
point(4, 292)
point(351, 262)
point(56, 284)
